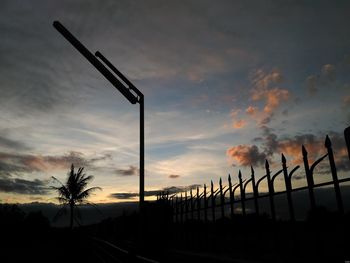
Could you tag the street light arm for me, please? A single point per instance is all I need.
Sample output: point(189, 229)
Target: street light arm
point(95, 62)
point(119, 74)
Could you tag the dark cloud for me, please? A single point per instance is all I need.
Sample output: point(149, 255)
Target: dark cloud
point(246, 155)
point(179, 189)
point(11, 163)
point(285, 112)
point(329, 72)
point(315, 82)
point(173, 176)
point(269, 141)
point(312, 84)
point(7, 169)
point(342, 163)
point(132, 170)
point(171, 190)
point(12, 144)
point(123, 195)
point(258, 139)
point(22, 186)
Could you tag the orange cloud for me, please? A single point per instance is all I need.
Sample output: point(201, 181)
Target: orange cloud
point(251, 110)
point(262, 80)
point(262, 90)
point(246, 155)
point(234, 113)
point(274, 97)
point(239, 124)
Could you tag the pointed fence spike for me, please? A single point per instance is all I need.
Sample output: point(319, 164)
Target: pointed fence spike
point(267, 165)
point(327, 142)
point(229, 177)
point(303, 150)
point(252, 169)
point(220, 181)
point(283, 159)
point(239, 174)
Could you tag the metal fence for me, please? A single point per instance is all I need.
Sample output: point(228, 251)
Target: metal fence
point(203, 206)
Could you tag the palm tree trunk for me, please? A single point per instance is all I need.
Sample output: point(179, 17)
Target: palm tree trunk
point(71, 215)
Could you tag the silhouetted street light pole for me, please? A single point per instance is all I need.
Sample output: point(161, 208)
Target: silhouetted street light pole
point(126, 91)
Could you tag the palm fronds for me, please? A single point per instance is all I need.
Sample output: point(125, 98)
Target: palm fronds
point(73, 192)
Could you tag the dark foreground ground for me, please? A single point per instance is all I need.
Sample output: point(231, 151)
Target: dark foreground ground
point(324, 237)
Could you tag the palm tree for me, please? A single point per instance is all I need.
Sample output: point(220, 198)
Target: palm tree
point(74, 191)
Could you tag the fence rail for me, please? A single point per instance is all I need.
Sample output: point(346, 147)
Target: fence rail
point(185, 207)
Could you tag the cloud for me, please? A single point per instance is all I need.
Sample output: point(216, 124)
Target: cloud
point(179, 189)
point(21, 186)
point(238, 124)
point(266, 120)
point(171, 190)
point(312, 83)
point(274, 97)
point(271, 144)
point(132, 170)
point(262, 80)
point(291, 146)
point(251, 110)
point(328, 71)
point(19, 163)
point(124, 195)
point(315, 82)
point(234, 113)
point(173, 176)
point(246, 155)
point(12, 144)
point(265, 89)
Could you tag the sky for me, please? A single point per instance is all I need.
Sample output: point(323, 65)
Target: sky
point(227, 85)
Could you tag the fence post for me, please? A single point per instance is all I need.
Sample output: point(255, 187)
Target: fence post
point(205, 204)
point(347, 139)
point(198, 205)
point(231, 195)
point(222, 198)
point(309, 178)
point(181, 210)
point(271, 191)
point(212, 201)
point(241, 188)
point(328, 145)
point(176, 210)
point(288, 184)
point(192, 206)
point(255, 192)
point(186, 207)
